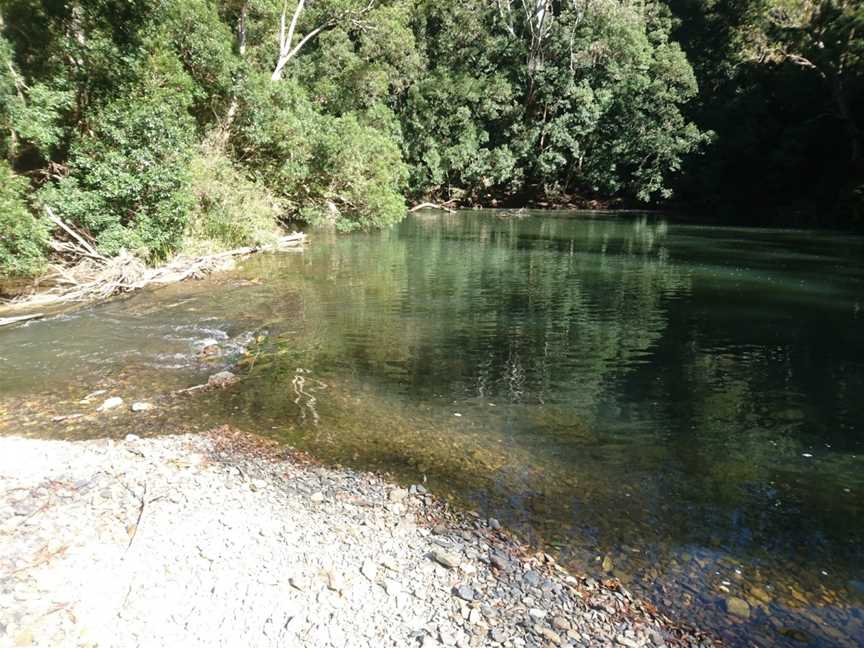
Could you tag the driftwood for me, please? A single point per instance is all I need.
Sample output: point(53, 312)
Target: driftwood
point(94, 277)
point(4, 321)
point(429, 205)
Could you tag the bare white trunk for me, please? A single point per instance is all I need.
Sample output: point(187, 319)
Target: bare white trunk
point(286, 38)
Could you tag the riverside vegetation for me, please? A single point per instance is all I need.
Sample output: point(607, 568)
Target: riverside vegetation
point(160, 125)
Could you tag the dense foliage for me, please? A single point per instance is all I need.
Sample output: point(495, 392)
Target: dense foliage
point(338, 111)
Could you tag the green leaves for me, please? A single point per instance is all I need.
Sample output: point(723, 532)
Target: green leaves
point(23, 238)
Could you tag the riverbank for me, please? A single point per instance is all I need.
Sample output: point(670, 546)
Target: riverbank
point(224, 539)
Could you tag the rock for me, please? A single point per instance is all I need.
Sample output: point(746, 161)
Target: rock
point(132, 438)
point(208, 346)
point(221, 379)
point(316, 498)
point(546, 633)
point(142, 407)
point(627, 641)
point(369, 570)
point(397, 494)
point(560, 623)
point(464, 592)
point(392, 587)
point(738, 607)
point(448, 560)
point(500, 563)
point(761, 595)
point(607, 564)
point(110, 404)
point(537, 613)
point(494, 524)
point(474, 616)
point(532, 578)
point(498, 635)
point(257, 484)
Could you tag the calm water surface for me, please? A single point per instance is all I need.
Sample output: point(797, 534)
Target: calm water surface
point(681, 407)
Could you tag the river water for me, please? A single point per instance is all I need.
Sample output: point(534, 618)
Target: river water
point(677, 406)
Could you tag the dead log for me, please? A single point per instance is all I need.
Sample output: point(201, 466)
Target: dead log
point(429, 205)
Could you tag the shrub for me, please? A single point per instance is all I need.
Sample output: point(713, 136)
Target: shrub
point(23, 238)
point(328, 170)
point(128, 181)
point(229, 209)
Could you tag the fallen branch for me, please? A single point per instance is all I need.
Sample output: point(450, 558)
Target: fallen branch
point(429, 205)
point(97, 278)
point(5, 321)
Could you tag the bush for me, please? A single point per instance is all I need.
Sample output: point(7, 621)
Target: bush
point(230, 210)
point(23, 238)
point(129, 182)
point(328, 170)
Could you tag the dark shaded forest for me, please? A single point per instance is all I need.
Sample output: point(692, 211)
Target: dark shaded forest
point(158, 126)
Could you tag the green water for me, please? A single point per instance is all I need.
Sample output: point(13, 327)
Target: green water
point(687, 401)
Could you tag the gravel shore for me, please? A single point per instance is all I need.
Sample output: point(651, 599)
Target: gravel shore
point(222, 539)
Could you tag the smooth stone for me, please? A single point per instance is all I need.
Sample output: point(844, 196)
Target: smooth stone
point(317, 498)
point(464, 592)
point(448, 560)
point(546, 633)
point(607, 564)
point(499, 562)
point(494, 524)
point(110, 403)
point(221, 379)
point(738, 607)
point(537, 613)
point(532, 578)
point(142, 407)
point(397, 494)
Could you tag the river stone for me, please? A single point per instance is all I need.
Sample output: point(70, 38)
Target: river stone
point(398, 494)
point(532, 578)
point(548, 634)
point(464, 592)
point(607, 565)
point(110, 404)
point(142, 407)
point(499, 562)
point(317, 498)
point(494, 524)
point(737, 607)
point(448, 560)
point(221, 379)
point(761, 595)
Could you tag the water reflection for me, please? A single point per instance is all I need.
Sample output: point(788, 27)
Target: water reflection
point(680, 400)
point(678, 406)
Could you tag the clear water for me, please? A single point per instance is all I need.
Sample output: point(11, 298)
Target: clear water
point(679, 406)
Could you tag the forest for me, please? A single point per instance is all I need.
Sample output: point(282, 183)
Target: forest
point(157, 126)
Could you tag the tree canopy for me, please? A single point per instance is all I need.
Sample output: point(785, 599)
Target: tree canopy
point(339, 111)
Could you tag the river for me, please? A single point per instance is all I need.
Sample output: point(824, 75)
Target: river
point(678, 406)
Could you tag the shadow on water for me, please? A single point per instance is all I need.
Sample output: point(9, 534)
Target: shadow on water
point(678, 406)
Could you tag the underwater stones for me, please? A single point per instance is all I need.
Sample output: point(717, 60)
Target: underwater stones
point(737, 607)
point(221, 379)
point(140, 406)
point(110, 404)
point(607, 565)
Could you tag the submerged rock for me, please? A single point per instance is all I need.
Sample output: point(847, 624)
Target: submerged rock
point(110, 403)
point(221, 379)
point(142, 407)
point(738, 607)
